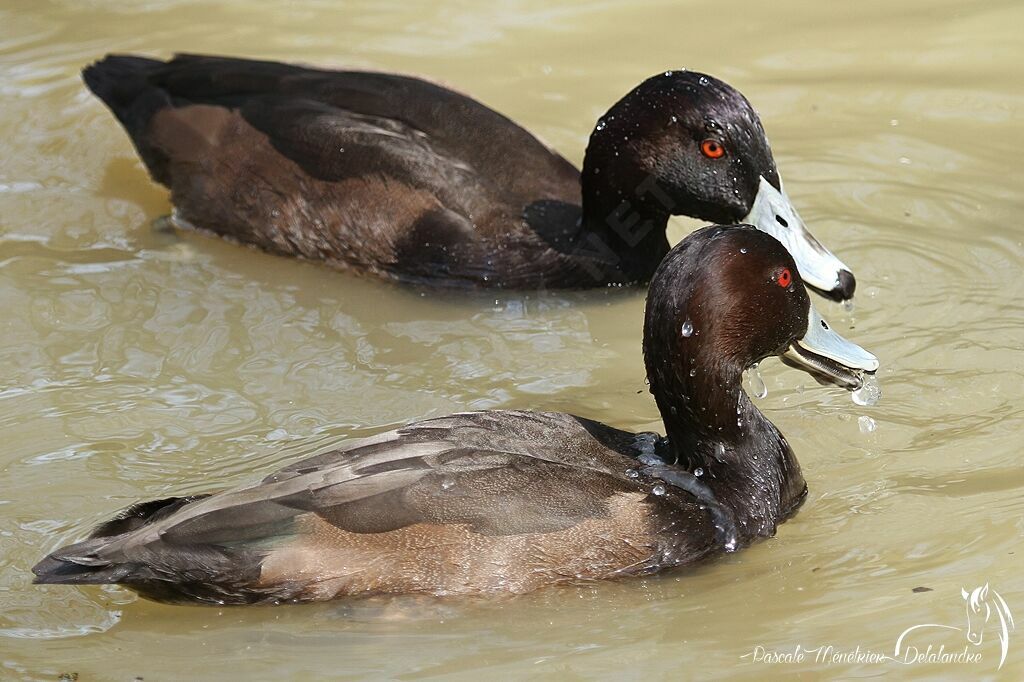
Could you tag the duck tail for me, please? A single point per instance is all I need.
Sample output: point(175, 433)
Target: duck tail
point(85, 563)
point(79, 564)
point(119, 79)
point(124, 83)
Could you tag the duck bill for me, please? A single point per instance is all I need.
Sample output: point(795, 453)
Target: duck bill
point(828, 357)
point(773, 213)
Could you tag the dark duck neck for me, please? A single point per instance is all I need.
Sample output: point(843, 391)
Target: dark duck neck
point(625, 212)
point(697, 345)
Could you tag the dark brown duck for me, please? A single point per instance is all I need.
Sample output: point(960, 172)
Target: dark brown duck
point(402, 178)
point(509, 501)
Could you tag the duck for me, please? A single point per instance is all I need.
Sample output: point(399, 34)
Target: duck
point(508, 501)
point(402, 178)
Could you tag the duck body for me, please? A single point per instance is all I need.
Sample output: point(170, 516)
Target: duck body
point(381, 173)
point(473, 503)
point(402, 178)
point(509, 501)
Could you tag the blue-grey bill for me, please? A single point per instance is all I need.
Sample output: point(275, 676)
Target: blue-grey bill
point(828, 357)
point(773, 213)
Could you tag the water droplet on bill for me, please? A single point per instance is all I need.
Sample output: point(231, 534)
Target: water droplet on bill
point(869, 393)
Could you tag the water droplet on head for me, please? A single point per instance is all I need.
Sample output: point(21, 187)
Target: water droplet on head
point(658, 490)
point(632, 473)
point(687, 328)
point(693, 372)
point(869, 393)
point(675, 119)
point(743, 249)
point(600, 124)
point(703, 80)
point(698, 472)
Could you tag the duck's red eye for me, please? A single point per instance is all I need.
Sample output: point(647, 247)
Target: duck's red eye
point(785, 278)
point(712, 149)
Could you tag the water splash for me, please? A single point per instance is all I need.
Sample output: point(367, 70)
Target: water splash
point(869, 393)
point(866, 424)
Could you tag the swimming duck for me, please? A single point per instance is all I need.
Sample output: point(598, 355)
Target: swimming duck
point(509, 501)
point(403, 178)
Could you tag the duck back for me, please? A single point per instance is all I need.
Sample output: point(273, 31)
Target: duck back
point(373, 171)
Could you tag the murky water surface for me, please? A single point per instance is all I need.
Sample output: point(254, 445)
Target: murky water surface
point(136, 363)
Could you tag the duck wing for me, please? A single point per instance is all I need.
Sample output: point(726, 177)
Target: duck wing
point(465, 504)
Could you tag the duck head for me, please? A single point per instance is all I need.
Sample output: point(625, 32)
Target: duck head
point(723, 300)
point(685, 143)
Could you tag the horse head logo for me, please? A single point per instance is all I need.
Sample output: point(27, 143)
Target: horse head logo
point(981, 603)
